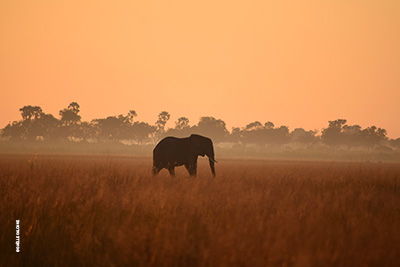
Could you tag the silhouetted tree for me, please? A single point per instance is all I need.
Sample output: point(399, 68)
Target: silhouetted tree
point(44, 127)
point(86, 131)
point(395, 143)
point(69, 115)
point(131, 116)
point(351, 136)
point(280, 136)
point(182, 128)
point(110, 128)
point(373, 136)
point(254, 126)
point(212, 128)
point(141, 131)
point(333, 134)
point(269, 125)
point(182, 123)
point(70, 120)
point(235, 136)
point(31, 112)
point(118, 128)
point(301, 136)
point(14, 130)
point(256, 133)
point(34, 125)
point(163, 118)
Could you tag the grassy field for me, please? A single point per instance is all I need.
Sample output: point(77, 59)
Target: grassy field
point(110, 211)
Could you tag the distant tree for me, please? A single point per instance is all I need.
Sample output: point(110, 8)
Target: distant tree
point(255, 133)
point(332, 135)
point(14, 130)
point(86, 131)
point(141, 131)
point(181, 129)
point(44, 127)
point(30, 127)
point(31, 112)
point(235, 136)
point(70, 120)
point(213, 128)
point(280, 136)
point(269, 125)
point(301, 136)
point(373, 136)
point(110, 128)
point(163, 118)
point(125, 127)
point(69, 115)
point(35, 124)
point(254, 126)
point(395, 143)
point(131, 116)
point(182, 123)
point(261, 135)
point(351, 136)
point(121, 127)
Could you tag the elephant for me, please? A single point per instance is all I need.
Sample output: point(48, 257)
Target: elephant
point(171, 152)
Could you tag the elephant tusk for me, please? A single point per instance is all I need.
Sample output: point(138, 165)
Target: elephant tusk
point(213, 160)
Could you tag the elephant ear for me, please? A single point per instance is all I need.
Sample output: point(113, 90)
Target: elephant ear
point(197, 147)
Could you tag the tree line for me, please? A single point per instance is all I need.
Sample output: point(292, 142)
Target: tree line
point(36, 125)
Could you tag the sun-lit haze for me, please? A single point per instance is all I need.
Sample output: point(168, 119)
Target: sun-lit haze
point(295, 63)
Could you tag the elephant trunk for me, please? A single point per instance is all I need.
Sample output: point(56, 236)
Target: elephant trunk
point(212, 167)
point(212, 161)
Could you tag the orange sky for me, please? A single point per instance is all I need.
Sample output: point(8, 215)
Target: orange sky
point(295, 63)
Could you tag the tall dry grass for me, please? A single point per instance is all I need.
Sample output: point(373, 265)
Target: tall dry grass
point(98, 211)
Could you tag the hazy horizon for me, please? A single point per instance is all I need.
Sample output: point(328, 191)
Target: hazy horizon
point(171, 122)
point(299, 64)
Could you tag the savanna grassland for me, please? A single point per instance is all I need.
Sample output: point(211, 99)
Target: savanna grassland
point(110, 211)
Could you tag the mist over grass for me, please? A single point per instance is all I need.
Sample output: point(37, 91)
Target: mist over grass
point(222, 150)
point(104, 211)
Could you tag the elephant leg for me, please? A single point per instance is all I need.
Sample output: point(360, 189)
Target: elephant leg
point(192, 169)
point(171, 171)
point(156, 170)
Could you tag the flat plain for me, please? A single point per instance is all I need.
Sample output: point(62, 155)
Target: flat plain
point(110, 211)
